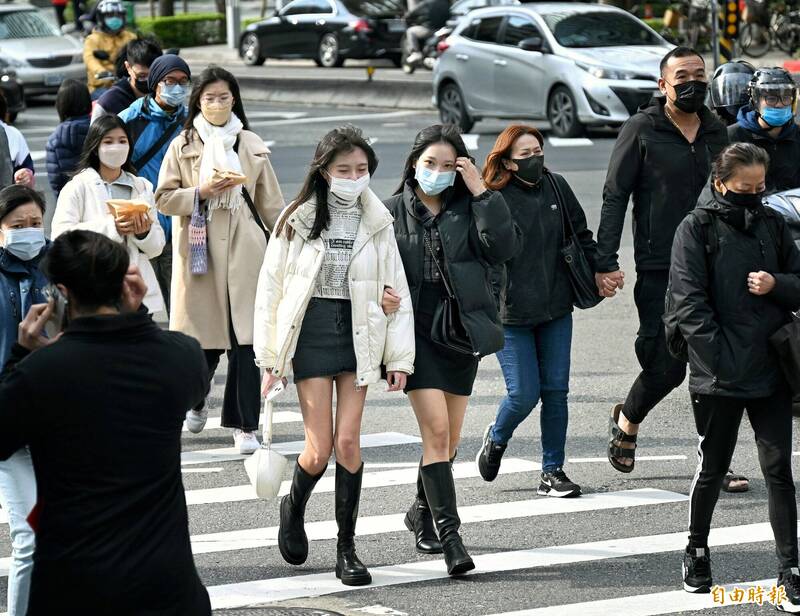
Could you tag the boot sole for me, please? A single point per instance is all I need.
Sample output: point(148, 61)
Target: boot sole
point(292, 560)
point(354, 580)
point(420, 550)
point(461, 567)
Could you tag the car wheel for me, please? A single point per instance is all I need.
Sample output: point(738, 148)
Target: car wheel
point(563, 113)
point(250, 50)
point(328, 52)
point(453, 109)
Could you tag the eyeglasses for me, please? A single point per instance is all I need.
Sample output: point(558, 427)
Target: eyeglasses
point(774, 99)
point(224, 99)
point(169, 81)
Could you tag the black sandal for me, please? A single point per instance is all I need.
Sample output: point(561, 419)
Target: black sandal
point(616, 435)
point(731, 477)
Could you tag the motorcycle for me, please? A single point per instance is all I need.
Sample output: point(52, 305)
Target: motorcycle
point(430, 51)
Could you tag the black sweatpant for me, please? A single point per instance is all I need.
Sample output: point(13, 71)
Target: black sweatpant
point(717, 419)
point(661, 372)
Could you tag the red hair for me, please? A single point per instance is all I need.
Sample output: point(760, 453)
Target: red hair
point(495, 175)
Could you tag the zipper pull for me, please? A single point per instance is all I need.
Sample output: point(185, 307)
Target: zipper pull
point(692, 146)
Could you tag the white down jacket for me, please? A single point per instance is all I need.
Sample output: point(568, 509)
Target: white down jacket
point(287, 282)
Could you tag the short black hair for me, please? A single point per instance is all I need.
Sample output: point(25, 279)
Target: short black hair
point(90, 265)
point(73, 100)
point(3, 106)
point(678, 52)
point(17, 195)
point(738, 155)
point(142, 51)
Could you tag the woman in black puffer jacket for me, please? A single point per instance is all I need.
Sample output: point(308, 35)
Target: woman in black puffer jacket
point(449, 230)
point(65, 144)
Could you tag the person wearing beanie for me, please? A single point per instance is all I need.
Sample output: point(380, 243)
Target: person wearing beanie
point(154, 121)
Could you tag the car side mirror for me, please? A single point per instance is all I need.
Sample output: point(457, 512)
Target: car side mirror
point(533, 43)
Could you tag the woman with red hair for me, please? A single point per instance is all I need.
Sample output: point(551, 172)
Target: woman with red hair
point(536, 303)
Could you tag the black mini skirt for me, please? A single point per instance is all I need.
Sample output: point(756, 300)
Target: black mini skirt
point(325, 345)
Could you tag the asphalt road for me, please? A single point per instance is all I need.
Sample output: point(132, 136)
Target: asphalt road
point(617, 550)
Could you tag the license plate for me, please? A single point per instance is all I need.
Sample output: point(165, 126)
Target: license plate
point(396, 25)
point(53, 80)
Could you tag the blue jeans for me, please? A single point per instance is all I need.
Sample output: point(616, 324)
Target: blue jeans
point(536, 363)
point(17, 497)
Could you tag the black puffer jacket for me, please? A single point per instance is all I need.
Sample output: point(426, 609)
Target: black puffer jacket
point(63, 149)
point(727, 328)
point(665, 174)
point(537, 287)
point(476, 233)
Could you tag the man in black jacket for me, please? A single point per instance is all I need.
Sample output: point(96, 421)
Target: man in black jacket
point(425, 19)
point(101, 409)
point(662, 158)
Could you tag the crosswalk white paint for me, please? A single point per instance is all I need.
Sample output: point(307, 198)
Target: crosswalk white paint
point(280, 417)
point(470, 140)
point(562, 142)
point(339, 118)
point(293, 448)
point(638, 459)
point(243, 594)
point(38, 155)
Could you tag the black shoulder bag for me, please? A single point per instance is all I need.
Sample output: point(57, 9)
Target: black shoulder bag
point(581, 274)
point(447, 329)
point(249, 200)
point(167, 135)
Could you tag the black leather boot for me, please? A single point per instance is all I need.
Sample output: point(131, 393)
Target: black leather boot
point(349, 568)
point(441, 492)
point(420, 522)
point(292, 540)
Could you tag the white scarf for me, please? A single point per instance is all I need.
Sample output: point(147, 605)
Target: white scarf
point(218, 142)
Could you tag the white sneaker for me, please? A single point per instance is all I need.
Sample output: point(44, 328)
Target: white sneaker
point(414, 57)
point(196, 420)
point(247, 442)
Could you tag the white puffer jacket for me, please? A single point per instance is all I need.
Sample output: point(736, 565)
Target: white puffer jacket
point(287, 282)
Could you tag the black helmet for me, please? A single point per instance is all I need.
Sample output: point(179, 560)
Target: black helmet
point(770, 84)
point(730, 87)
point(112, 11)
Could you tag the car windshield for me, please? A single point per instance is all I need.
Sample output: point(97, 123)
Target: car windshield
point(599, 29)
point(24, 25)
point(376, 8)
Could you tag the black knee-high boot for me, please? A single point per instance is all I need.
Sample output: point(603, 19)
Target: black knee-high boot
point(349, 568)
point(292, 540)
point(441, 492)
point(420, 522)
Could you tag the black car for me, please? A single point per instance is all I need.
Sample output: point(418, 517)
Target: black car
point(328, 32)
point(12, 90)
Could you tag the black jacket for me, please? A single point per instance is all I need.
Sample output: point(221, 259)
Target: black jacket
point(63, 149)
point(476, 233)
point(537, 287)
point(433, 14)
point(665, 174)
point(102, 410)
point(119, 97)
point(726, 327)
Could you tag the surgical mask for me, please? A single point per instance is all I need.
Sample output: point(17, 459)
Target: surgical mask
point(25, 244)
point(216, 114)
point(777, 116)
point(434, 182)
point(529, 169)
point(690, 96)
point(348, 191)
point(115, 23)
point(113, 155)
point(141, 85)
point(174, 95)
point(745, 200)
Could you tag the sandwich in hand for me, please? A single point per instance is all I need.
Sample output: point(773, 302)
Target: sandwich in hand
point(227, 174)
point(124, 209)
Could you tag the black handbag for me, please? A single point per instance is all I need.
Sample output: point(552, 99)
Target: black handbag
point(581, 273)
point(786, 344)
point(447, 329)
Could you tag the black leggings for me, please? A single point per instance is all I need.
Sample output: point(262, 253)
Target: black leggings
point(717, 419)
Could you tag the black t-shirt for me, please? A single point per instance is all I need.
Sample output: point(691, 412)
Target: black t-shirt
point(102, 411)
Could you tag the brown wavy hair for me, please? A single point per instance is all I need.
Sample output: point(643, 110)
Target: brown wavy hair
point(495, 175)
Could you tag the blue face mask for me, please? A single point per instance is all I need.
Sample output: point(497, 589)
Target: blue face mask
point(174, 96)
point(115, 23)
point(776, 116)
point(434, 182)
point(25, 244)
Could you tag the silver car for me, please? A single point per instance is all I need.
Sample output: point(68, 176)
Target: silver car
point(36, 50)
point(570, 63)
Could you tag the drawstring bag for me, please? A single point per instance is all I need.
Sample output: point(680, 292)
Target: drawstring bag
point(266, 466)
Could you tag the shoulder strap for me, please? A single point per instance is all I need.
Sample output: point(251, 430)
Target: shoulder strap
point(708, 228)
point(566, 221)
point(427, 240)
point(249, 200)
point(154, 149)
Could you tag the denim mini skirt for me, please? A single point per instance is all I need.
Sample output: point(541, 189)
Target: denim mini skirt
point(325, 345)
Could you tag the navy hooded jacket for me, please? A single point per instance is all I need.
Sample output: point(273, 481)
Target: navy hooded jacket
point(64, 148)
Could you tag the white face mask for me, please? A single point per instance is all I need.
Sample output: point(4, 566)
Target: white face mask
point(348, 191)
point(113, 155)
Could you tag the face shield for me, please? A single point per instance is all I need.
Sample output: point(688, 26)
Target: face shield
point(730, 90)
point(775, 95)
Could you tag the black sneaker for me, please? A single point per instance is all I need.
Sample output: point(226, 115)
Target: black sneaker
point(556, 483)
point(790, 581)
point(490, 456)
point(697, 570)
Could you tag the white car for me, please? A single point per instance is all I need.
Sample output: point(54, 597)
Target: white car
point(40, 54)
point(570, 63)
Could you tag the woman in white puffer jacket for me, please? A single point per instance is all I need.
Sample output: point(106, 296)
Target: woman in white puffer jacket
point(318, 306)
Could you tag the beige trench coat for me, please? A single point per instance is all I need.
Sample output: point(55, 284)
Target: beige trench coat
point(236, 246)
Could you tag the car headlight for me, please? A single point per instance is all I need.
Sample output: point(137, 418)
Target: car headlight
point(605, 73)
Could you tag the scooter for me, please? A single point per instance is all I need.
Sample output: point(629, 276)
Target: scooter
point(430, 51)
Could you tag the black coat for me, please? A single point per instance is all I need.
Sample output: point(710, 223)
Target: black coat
point(784, 154)
point(118, 98)
point(726, 327)
point(63, 151)
point(476, 233)
point(433, 14)
point(665, 174)
point(102, 410)
point(537, 286)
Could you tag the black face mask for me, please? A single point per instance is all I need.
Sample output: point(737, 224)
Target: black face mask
point(749, 201)
point(141, 85)
point(529, 169)
point(690, 96)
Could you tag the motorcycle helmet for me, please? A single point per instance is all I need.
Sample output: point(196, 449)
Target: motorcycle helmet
point(730, 89)
point(772, 85)
point(111, 15)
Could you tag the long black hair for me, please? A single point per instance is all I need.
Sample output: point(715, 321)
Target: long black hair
point(438, 133)
point(99, 129)
point(210, 75)
point(341, 140)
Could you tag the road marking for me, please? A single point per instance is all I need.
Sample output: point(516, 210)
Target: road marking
point(210, 469)
point(561, 142)
point(332, 119)
point(243, 594)
point(638, 459)
point(283, 115)
point(395, 124)
point(470, 140)
point(38, 155)
point(280, 417)
point(293, 448)
point(383, 479)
